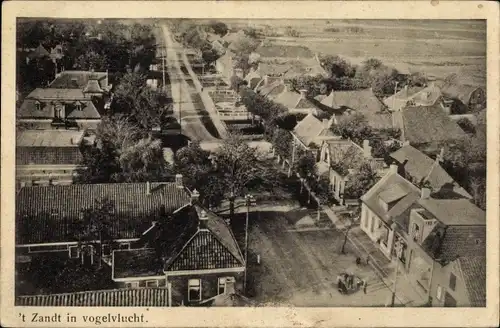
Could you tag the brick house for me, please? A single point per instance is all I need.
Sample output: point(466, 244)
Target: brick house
point(45, 157)
point(74, 99)
point(159, 236)
point(49, 218)
point(357, 101)
point(194, 252)
point(426, 127)
point(418, 168)
point(438, 237)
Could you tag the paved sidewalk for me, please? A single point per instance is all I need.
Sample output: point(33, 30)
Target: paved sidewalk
point(405, 292)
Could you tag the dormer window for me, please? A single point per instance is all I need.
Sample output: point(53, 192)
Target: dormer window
point(38, 106)
point(78, 106)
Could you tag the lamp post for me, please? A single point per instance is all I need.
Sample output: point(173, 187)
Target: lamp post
point(249, 201)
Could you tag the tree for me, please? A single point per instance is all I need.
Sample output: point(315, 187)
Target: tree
point(354, 127)
point(123, 153)
point(305, 165)
point(96, 227)
point(145, 106)
point(91, 60)
point(360, 181)
point(338, 67)
point(209, 56)
point(244, 46)
point(236, 82)
point(240, 170)
point(282, 143)
point(291, 32)
point(353, 218)
point(218, 28)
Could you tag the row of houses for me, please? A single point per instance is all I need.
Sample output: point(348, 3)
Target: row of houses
point(160, 241)
point(416, 214)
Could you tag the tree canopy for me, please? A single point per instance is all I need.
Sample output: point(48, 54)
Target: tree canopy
point(124, 153)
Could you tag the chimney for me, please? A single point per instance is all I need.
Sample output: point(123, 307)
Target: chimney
point(303, 93)
point(202, 220)
point(326, 123)
point(195, 196)
point(178, 181)
point(425, 193)
point(266, 80)
point(367, 149)
point(148, 188)
point(393, 168)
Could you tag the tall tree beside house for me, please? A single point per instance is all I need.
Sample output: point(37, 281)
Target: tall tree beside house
point(241, 170)
point(337, 67)
point(305, 164)
point(354, 127)
point(282, 143)
point(145, 106)
point(91, 60)
point(198, 170)
point(123, 153)
point(95, 228)
point(360, 181)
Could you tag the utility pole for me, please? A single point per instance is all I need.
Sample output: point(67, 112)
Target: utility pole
point(250, 201)
point(399, 252)
point(163, 60)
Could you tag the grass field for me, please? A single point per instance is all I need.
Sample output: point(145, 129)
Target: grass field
point(435, 47)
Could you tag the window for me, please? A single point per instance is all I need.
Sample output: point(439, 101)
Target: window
point(194, 290)
point(74, 252)
point(222, 285)
point(78, 106)
point(453, 281)
point(134, 284)
point(152, 283)
point(385, 236)
point(439, 292)
point(38, 106)
point(106, 250)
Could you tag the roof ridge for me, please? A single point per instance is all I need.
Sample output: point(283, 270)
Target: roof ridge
point(90, 291)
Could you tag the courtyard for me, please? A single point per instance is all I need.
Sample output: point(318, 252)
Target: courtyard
point(300, 267)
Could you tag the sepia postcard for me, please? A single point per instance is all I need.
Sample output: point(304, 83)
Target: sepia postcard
point(250, 164)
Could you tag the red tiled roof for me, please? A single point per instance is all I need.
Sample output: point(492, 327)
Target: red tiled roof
point(117, 297)
point(293, 100)
point(145, 262)
point(52, 213)
point(428, 124)
point(361, 101)
point(455, 241)
point(422, 168)
point(309, 128)
point(212, 248)
point(204, 251)
point(48, 155)
point(474, 274)
point(176, 243)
